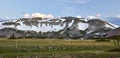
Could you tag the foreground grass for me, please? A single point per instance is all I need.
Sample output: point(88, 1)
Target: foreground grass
point(55, 48)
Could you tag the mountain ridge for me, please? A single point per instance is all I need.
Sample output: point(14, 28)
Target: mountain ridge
point(63, 27)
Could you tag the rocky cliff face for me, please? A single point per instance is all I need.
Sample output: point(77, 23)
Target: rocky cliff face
point(64, 27)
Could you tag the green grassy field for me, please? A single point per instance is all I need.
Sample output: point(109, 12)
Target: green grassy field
point(55, 48)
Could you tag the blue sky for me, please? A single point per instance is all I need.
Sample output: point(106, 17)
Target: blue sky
point(15, 8)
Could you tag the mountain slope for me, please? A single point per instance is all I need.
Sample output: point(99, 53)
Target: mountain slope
point(114, 32)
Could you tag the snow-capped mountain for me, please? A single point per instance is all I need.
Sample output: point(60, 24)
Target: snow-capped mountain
point(63, 27)
point(42, 25)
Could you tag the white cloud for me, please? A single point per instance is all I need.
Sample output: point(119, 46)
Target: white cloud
point(26, 15)
point(98, 15)
point(76, 1)
point(42, 15)
point(91, 17)
point(49, 16)
point(79, 16)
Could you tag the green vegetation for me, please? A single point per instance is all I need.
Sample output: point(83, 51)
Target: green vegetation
point(116, 41)
point(55, 48)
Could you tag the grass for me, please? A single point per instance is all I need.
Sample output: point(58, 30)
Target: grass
point(55, 48)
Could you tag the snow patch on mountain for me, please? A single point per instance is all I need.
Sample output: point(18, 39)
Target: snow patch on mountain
point(82, 26)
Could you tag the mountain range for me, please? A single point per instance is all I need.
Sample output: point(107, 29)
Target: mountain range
point(62, 27)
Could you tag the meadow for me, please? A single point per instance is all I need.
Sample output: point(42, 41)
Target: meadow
point(56, 48)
